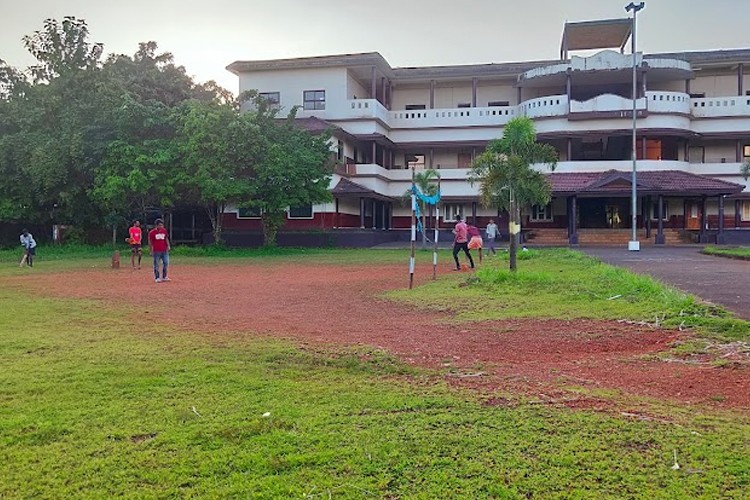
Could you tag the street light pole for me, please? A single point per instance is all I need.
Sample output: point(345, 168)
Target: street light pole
point(634, 244)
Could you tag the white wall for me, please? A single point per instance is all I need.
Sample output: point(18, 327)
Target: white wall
point(497, 92)
point(355, 89)
point(410, 95)
point(292, 83)
point(714, 85)
point(450, 96)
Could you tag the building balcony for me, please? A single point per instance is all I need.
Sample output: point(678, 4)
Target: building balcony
point(606, 106)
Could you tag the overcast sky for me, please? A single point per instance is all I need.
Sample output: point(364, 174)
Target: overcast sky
point(205, 36)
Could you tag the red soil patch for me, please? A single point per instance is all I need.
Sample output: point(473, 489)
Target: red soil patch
point(340, 305)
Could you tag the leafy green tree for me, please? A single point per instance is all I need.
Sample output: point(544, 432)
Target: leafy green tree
point(507, 180)
point(295, 170)
point(62, 47)
point(219, 151)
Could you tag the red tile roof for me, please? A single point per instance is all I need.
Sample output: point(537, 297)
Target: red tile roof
point(669, 182)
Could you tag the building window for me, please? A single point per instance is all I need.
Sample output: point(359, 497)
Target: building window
point(464, 159)
point(697, 95)
point(412, 107)
point(302, 212)
point(746, 152)
point(249, 213)
point(464, 104)
point(664, 212)
point(340, 151)
point(314, 99)
point(497, 104)
point(452, 211)
point(745, 210)
point(541, 213)
point(273, 99)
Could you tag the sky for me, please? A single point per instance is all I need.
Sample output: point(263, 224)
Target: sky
point(206, 36)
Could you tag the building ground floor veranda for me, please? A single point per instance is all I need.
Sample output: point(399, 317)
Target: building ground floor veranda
point(588, 208)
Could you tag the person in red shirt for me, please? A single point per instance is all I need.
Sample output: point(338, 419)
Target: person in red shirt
point(158, 243)
point(136, 236)
point(461, 242)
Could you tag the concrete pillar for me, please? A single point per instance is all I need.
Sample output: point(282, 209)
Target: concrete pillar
point(374, 152)
point(432, 94)
point(382, 88)
point(474, 213)
point(573, 239)
point(737, 213)
point(383, 211)
point(703, 238)
point(570, 149)
point(373, 84)
point(740, 78)
point(474, 82)
point(374, 211)
point(660, 222)
point(738, 151)
point(519, 95)
point(687, 86)
point(336, 218)
point(643, 147)
point(362, 210)
point(720, 234)
point(432, 157)
point(647, 209)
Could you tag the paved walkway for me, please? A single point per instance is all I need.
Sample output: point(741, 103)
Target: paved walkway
point(723, 281)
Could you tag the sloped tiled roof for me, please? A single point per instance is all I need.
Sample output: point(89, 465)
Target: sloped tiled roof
point(347, 187)
point(648, 182)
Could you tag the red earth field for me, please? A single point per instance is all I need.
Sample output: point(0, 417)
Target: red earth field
point(324, 306)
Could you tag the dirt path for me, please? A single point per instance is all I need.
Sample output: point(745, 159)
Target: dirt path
point(341, 305)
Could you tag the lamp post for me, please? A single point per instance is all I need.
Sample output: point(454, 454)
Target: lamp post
point(634, 245)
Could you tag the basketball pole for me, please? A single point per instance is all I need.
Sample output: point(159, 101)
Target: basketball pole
point(413, 230)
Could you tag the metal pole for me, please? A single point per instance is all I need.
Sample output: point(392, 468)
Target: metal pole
point(413, 230)
point(435, 245)
point(634, 244)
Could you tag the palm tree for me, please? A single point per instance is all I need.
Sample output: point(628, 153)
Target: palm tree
point(507, 180)
point(423, 181)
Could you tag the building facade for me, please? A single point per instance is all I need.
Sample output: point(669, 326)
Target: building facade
point(693, 135)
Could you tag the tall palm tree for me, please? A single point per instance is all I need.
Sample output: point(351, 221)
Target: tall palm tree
point(424, 182)
point(506, 177)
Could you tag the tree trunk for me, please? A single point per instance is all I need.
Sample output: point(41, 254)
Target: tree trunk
point(513, 244)
point(271, 225)
point(114, 236)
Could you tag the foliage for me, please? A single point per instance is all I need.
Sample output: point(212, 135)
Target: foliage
point(507, 180)
point(91, 404)
point(424, 180)
point(564, 284)
point(295, 170)
point(90, 143)
point(736, 252)
point(745, 169)
point(61, 48)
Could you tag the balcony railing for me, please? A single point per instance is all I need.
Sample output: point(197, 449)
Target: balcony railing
point(606, 105)
point(710, 107)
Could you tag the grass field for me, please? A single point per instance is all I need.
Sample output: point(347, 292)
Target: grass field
point(93, 404)
point(740, 252)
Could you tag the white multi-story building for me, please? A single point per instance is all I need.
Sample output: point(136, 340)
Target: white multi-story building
point(693, 135)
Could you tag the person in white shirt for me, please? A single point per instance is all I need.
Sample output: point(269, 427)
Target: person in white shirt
point(29, 247)
point(491, 232)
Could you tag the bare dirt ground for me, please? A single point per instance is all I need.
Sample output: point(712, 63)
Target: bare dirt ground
point(324, 305)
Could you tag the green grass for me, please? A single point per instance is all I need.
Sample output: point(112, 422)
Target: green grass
point(565, 284)
point(101, 402)
point(737, 252)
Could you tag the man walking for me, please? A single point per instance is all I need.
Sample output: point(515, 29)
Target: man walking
point(158, 242)
point(135, 243)
point(491, 232)
point(461, 242)
point(29, 248)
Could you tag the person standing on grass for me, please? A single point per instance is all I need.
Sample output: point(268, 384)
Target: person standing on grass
point(136, 236)
point(158, 243)
point(461, 242)
point(29, 248)
point(475, 239)
point(491, 232)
